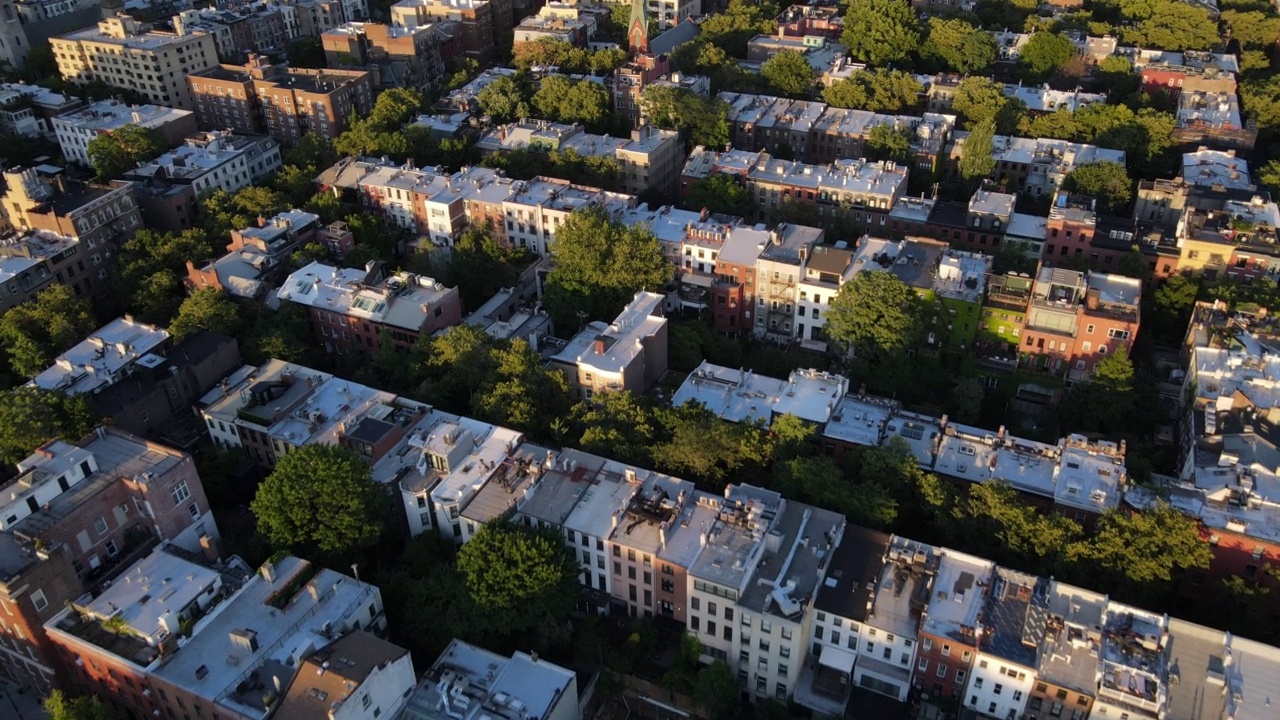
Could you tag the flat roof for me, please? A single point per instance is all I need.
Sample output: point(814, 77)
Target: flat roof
point(1197, 656)
point(159, 587)
point(786, 576)
point(811, 395)
point(1091, 475)
point(904, 581)
point(1027, 465)
point(737, 539)
point(99, 360)
point(959, 592)
point(1253, 680)
point(966, 453)
point(919, 432)
point(621, 341)
point(516, 474)
point(860, 419)
point(852, 573)
point(468, 681)
point(1069, 653)
point(736, 395)
point(1016, 617)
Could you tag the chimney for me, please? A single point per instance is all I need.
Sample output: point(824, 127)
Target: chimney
point(1091, 298)
point(703, 215)
point(599, 346)
point(210, 548)
point(262, 222)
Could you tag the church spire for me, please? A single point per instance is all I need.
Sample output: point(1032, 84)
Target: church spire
point(638, 29)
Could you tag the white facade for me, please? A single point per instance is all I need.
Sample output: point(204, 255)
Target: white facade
point(216, 160)
point(74, 130)
point(997, 687)
point(382, 693)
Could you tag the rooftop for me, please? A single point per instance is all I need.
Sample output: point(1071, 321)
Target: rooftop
point(516, 475)
point(1016, 617)
point(852, 573)
point(470, 683)
point(330, 676)
point(1134, 668)
point(788, 573)
point(1216, 167)
point(966, 453)
point(125, 32)
point(611, 348)
point(962, 275)
point(108, 115)
point(811, 395)
point(1027, 465)
point(735, 395)
point(201, 154)
point(1069, 651)
point(921, 433)
point(860, 419)
point(404, 300)
point(736, 541)
point(1197, 658)
point(959, 592)
point(1091, 474)
point(903, 589)
point(104, 357)
point(149, 597)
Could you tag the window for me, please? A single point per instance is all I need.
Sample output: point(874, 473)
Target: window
point(927, 646)
point(695, 604)
point(998, 689)
point(1017, 695)
point(960, 675)
point(180, 493)
point(942, 670)
point(100, 525)
point(923, 665)
point(946, 651)
point(39, 601)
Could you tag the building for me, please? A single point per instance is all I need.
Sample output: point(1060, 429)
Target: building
point(31, 261)
point(155, 64)
point(1066, 679)
point(825, 270)
point(1214, 168)
point(1193, 71)
point(953, 625)
point(484, 23)
point(1008, 654)
point(100, 218)
point(359, 676)
point(251, 27)
point(29, 110)
point(800, 21)
point(227, 614)
point(1235, 243)
point(644, 583)
point(399, 57)
point(532, 211)
point(257, 257)
point(852, 196)
point(285, 103)
point(133, 493)
point(564, 22)
point(350, 309)
point(1037, 166)
point(1133, 669)
point(470, 683)
point(780, 263)
point(235, 412)
point(1073, 320)
point(888, 639)
point(627, 355)
point(113, 352)
point(211, 161)
point(1212, 119)
point(75, 129)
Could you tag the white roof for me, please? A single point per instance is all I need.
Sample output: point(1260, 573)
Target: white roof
point(1215, 167)
point(860, 419)
point(403, 301)
point(623, 340)
point(159, 586)
point(98, 361)
point(811, 395)
point(736, 395)
point(966, 452)
point(959, 593)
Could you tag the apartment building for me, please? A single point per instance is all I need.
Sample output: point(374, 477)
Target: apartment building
point(566, 22)
point(30, 262)
point(1008, 655)
point(257, 257)
point(213, 160)
point(123, 53)
point(825, 271)
point(99, 218)
point(483, 22)
point(1191, 71)
point(415, 57)
point(110, 354)
point(1073, 320)
point(853, 196)
point(800, 21)
point(517, 475)
point(1212, 119)
point(357, 676)
point(630, 81)
point(1133, 669)
point(350, 309)
point(285, 103)
point(779, 268)
point(131, 492)
point(470, 682)
point(1066, 679)
point(234, 412)
point(702, 163)
point(733, 292)
point(651, 549)
point(626, 355)
point(29, 110)
point(1036, 166)
point(888, 639)
point(1235, 243)
point(75, 129)
point(269, 622)
point(532, 211)
point(953, 625)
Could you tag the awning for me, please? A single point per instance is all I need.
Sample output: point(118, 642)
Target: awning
point(837, 659)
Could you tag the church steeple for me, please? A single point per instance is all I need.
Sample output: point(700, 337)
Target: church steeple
point(638, 29)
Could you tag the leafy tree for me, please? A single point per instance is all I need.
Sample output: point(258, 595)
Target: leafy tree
point(321, 498)
point(740, 21)
point(789, 74)
point(720, 193)
point(992, 520)
point(480, 266)
point(1171, 308)
point(818, 480)
point(147, 277)
point(717, 691)
point(1172, 25)
point(34, 332)
point(505, 99)
point(114, 153)
point(616, 424)
point(1136, 553)
point(979, 99)
point(1115, 73)
point(30, 417)
point(704, 447)
point(206, 309)
point(306, 52)
point(885, 142)
point(1106, 181)
point(598, 266)
point(1252, 29)
point(462, 70)
point(887, 91)
point(1044, 54)
point(705, 121)
point(876, 316)
point(564, 100)
point(976, 159)
point(792, 437)
point(880, 32)
point(520, 577)
point(955, 44)
point(966, 400)
point(222, 211)
point(58, 706)
point(1249, 607)
point(521, 392)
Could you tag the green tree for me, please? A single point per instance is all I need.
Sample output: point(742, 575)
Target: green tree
point(1139, 553)
point(701, 446)
point(880, 32)
point(563, 100)
point(1171, 309)
point(59, 706)
point(147, 277)
point(789, 74)
point(717, 691)
point(114, 153)
point(321, 498)
point(955, 44)
point(740, 21)
point(480, 266)
point(1173, 25)
point(222, 211)
point(306, 52)
point(1044, 55)
point(966, 400)
point(704, 120)
point(1252, 29)
point(616, 424)
point(598, 266)
point(818, 480)
point(1106, 181)
point(519, 577)
point(720, 193)
point(206, 309)
point(885, 142)
point(979, 99)
point(30, 417)
point(1115, 73)
point(875, 315)
point(886, 91)
point(34, 332)
point(791, 437)
point(976, 159)
point(521, 392)
point(991, 520)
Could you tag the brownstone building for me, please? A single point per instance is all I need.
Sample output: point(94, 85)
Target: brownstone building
point(484, 23)
point(280, 101)
point(398, 57)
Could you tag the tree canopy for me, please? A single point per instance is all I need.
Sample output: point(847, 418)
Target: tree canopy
point(979, 99)
point(321, 498)
point(789, 74)
point(1044, 54)
point(206, 309)
point(885, 142)
point(35, 332)
point(30, 417)
point(886, 91)
point(519, 576)
point(880, 32)
point(876, 316)
point(976, 159)
point(114, 153)
point(957, 45)
point(563, 100)
point(59, 706)
point(705, 121)
point(720, 193)
point(1106, 181)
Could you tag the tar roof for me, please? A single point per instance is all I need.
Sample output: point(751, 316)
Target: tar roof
point(787, 576)
point(1196, 658)
point(1016, 617)
point(852, 573)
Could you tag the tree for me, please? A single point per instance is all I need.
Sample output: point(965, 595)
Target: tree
point(880, 32)
point(717, 691)
point(1115, 73)
point(1252, 29)
point(306, 52)
point(887, 91)
point(1173, 25)
point(789, 74)
point(206, 309)
point(521, 392)
point(955, 44)
point(1171, 308)
point(875, 315)
point(518, 576)
point(818, 480)
point(740, 21)
point(60, 707)
point(979, 99)
point(564, 100)
point(966, 400)
point(1043, 55)
point(321, 498)
point(704, 120)
point(616, 424)
point(1137, 553)
point(480, 266)
point(114, 153)
point(30, 417)
point(886, 142)
point(598, 266)
point(1106, 181)
point(146, 278)
point(704, 447)
point(34, 332)
point(720, 193)
point(976, 158)
point(504, 100)
point(991, 520)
